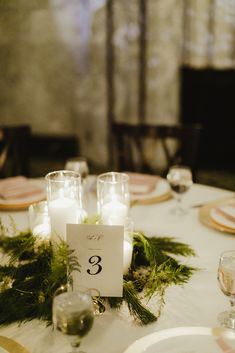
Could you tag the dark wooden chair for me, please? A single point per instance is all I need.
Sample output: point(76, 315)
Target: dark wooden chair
point(14, 150)
point(51, 151)
point(128, 146)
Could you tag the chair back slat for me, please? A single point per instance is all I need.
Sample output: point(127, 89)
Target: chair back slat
point(128, 138)
point(15, 150)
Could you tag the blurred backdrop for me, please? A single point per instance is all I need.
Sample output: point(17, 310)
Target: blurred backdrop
point(71, 67)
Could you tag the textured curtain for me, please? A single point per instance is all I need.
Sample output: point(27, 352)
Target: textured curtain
point(197, 33)
point(53, 61)
point(209, 33)
point(163, 55)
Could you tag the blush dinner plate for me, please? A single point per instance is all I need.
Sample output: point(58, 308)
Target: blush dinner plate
point(224, 215)
point(215, 215)
point(148, 189)
point(18, 193)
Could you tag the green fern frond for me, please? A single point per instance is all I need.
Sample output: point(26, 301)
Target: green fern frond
point(142, 314)
point(35, 270)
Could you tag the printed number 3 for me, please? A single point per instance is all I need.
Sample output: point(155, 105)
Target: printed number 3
point(95, 261)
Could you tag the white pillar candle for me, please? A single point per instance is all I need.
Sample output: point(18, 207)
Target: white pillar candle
point(62, 211)
point(114, 212)
point(127, 255)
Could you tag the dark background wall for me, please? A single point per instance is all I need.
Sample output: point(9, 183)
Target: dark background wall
point(208, 97)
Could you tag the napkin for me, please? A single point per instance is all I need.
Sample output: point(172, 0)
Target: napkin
point(142, 184)
point(17, 188)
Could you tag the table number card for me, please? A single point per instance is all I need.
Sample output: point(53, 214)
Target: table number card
point(99, 249)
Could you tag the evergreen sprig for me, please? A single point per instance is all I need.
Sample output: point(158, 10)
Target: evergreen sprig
point(136, 308)
point(30, 277)
point(164, 270)
point(33, 270)
point(153, 270)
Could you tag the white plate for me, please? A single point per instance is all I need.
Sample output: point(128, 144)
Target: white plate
point(148, 188)
point(139, 192)
point(161, 188)
point(220, 218)
point(186, 340)
point(24, 202)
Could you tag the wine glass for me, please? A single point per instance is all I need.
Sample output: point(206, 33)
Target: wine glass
point(226, 278)
point(73, 315)
point(180, 180)
point(79, 165)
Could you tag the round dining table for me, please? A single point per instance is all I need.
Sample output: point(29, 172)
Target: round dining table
point(196, 303)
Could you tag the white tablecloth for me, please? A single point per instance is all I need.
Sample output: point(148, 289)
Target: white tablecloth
point(197, 303)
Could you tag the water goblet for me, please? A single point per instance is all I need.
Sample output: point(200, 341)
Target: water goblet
point(180, 180)
point(79, 165)
point(226, 278)
point(73, 315)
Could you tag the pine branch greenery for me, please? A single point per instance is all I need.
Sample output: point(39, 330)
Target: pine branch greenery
point(153, 270)
point(32, 270)
point(32, 273)
point(136, 308)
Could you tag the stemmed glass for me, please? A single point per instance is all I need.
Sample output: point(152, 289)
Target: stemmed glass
point(180, 180)
point(73, 315)
point(79, 165)
point(226, 278)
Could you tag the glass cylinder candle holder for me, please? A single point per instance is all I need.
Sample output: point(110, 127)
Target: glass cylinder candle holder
point(80, 165)
point(39, 220)
point(113, 198)
point(64, 201)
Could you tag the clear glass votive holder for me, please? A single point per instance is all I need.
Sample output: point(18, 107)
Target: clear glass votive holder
point(39, 220)
point(80, 165)
point(64, 201)
point(113, 198)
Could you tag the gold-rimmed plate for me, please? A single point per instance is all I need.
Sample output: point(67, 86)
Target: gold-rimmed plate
point(209, 217)
point(7, 345)
point(148, 189)
point(24, 201)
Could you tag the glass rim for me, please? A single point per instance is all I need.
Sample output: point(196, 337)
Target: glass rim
point(64, 296)
point(43, 204)
point(74, 175)
point(180, 166)
point(125, 177)
point(227, 252)
point(76, 159)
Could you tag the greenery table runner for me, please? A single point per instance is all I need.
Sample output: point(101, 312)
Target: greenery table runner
point(31, 271)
